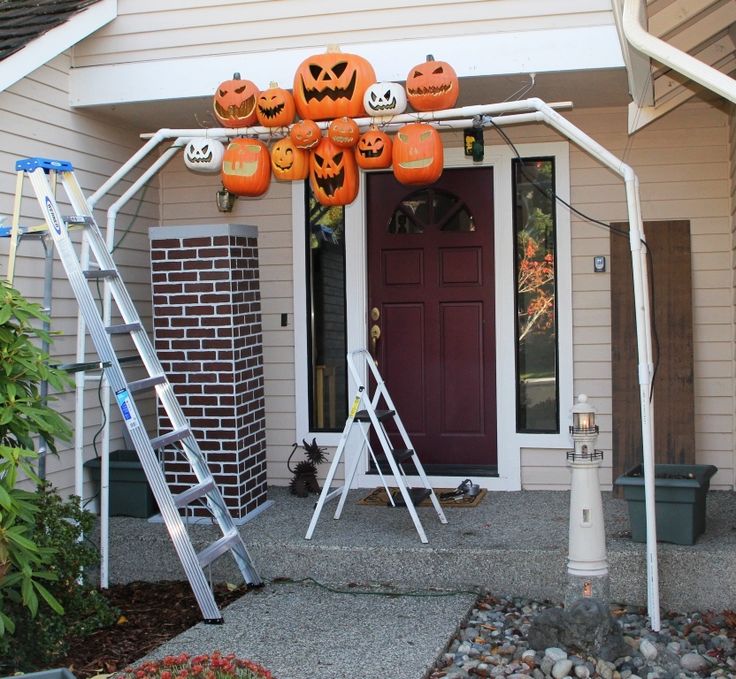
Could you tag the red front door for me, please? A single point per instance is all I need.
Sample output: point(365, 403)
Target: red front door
point(431, 293)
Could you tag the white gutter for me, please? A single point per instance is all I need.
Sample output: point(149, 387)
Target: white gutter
point(696, 70)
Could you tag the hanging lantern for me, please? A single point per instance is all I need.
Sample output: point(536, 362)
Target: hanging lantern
point(343, 132)
point(331, 85)
point(246, 167)
point(333, 174)
point(204, 155)
point(432, 86)
point(289, 163)
point(305, 134)
point(384, 99)
point(275, 107)
point(235, 102)
point(373, 150)
point(417, 154)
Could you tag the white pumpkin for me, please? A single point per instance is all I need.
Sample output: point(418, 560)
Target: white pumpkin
point(384, 99)
point(204, 155)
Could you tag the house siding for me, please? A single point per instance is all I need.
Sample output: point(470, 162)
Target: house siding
point(38, 121)
point(683, 162)
point(732, 149)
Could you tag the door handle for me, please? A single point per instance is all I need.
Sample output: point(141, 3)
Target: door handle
point(375, 335)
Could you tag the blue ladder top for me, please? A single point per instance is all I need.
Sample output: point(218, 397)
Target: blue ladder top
point(30, 164)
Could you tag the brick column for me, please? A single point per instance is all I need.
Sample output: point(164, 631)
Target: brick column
point(207, 334)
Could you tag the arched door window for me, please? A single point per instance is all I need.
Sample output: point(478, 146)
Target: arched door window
point(428, 210)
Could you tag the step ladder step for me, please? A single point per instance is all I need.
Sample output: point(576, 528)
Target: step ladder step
point(97, 274)
point(145, 383)
point(170, 437)
point(194, 493)
point(417, 495)
point(362, 415)
point(77, 220)
point(218, 548)
point(123, 328)
point(402, 455)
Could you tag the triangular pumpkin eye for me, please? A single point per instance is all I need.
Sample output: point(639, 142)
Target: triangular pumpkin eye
point(319, 159)
point(403, 137)
point(373, 96)
point(417, 74)
point(425, 135)
point(339, 68)
point(240, 90)
point(387, 94)
point(315, 70)
point(337, 158)
point(438, 70)
point(223, 93)
point(205, 148)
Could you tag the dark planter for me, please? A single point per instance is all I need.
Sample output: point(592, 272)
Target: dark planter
point(130, 494)
point(680, 492)
point(62, 673)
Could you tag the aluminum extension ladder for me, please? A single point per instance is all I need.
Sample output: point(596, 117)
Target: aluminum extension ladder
point(180, 438)
point(377, 410)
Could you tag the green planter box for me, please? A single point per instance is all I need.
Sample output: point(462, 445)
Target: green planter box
point(680, 491)
point(130, 494)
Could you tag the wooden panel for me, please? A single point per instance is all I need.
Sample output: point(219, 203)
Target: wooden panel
point(402, 267)
point(460, 266)
point(674, 419)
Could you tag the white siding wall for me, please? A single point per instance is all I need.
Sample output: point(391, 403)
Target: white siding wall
point(733, 256)
point(37, 121)
point(164, 29)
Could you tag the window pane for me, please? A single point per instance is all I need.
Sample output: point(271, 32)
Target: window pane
point(326, 315)
point(537, 401)
point(430, 209)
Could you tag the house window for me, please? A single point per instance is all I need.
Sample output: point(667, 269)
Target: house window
point(325, 263)
point(537, 374)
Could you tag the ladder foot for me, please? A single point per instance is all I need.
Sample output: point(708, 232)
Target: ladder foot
point(214, 621)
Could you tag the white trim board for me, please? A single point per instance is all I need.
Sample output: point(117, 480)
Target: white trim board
point(510, 443)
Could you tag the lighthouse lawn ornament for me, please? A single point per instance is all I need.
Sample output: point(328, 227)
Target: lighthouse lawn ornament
point(587, 564)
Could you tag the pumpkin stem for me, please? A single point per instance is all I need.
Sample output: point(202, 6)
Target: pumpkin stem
point(333, 48)
point(430, 57)
point(236, 76)
point(273, 85)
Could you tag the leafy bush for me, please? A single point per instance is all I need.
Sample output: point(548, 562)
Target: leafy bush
point(184, 666)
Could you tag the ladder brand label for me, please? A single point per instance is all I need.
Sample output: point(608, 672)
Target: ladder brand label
point(123, 397)
point(53, 217)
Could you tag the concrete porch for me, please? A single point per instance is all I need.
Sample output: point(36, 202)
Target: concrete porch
point(512, 543)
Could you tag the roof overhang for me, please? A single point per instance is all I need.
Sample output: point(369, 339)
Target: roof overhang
point(52, 43)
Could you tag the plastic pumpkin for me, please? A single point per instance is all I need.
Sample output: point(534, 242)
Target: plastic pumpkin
point(246, 167)
point(204, 155)
point(384, 99)
point(417, 154)
point(235, 102)
point(373, 150)
point(289, 163)
point(305, 134)
point(432, 86)
point(331, 85)
point(275, 107)
point(333, 174)
point(343, 132)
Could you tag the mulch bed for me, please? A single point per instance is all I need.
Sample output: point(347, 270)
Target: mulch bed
point(150, 614)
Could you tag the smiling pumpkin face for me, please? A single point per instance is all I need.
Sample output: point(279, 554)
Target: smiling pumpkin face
point(235, 102)
point(333, 174)
point(417, 154)
point(343, 132)
point(246, 167)
point(289, 163)
point(432, 86)
point(373, 150)
point(275, 107)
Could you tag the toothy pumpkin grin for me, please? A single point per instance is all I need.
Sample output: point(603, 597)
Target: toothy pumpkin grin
point(242, 112)
point(332, 93)
point(430, 90)
point(240, 169)
point(271, 113)
point(330, 185)
point(416, 164)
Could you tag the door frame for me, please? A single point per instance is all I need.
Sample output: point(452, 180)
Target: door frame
point(512, 446)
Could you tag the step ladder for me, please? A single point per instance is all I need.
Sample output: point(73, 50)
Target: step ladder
point(371, 413)
point(180, 438)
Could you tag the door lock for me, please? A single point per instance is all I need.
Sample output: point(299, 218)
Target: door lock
point(375, 335)
point(375, 313)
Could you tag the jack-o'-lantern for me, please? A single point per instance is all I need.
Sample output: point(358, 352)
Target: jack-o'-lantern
point(331, 85)
point(289, 163)
point(343, 132)
point(417, 154)
point(246, 167)
point(204, 155)
point(275, 107)
point(384, 99)
point(235, 102)
point(432, 86)
point(373, 150)
point(305, 134)
point(333, 174)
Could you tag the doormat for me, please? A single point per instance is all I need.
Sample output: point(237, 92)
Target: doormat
point(378, 498)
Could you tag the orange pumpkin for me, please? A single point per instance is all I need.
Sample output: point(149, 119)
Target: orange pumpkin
point(305, 134)
point(235, 102)
point(417, 154)
point(288, 162)
point(275, 107)
point(246, 167)
point(333, 174)
point(343, 132)
point(373, 150)
point(432, 86)
point(331, 85)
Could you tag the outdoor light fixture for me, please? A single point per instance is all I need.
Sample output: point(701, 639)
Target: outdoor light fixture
point(587, 564)
point(225, 200)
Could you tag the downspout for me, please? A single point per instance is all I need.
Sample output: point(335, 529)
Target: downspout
point(633, 26)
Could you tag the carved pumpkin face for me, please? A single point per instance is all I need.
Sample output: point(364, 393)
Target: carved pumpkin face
point(333, 174)
point(384, 99)
point(332, 85)
point(204, 155)
point(417, 154)
point(288, 162)
point(305, 134)
point(246, 167)
point(235, 102)
point(343, 132)
point(432, 86)
point(275, 107)
point(373, 150)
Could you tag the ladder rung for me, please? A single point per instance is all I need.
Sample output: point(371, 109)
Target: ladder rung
point(218, 548)
point(362, 415)
point(417, 495)
point(194, 493)
point(170, 437)
point(95, 274)
point(71, 220)
point(123, 328)
point(146, 383)
point(402, 454)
